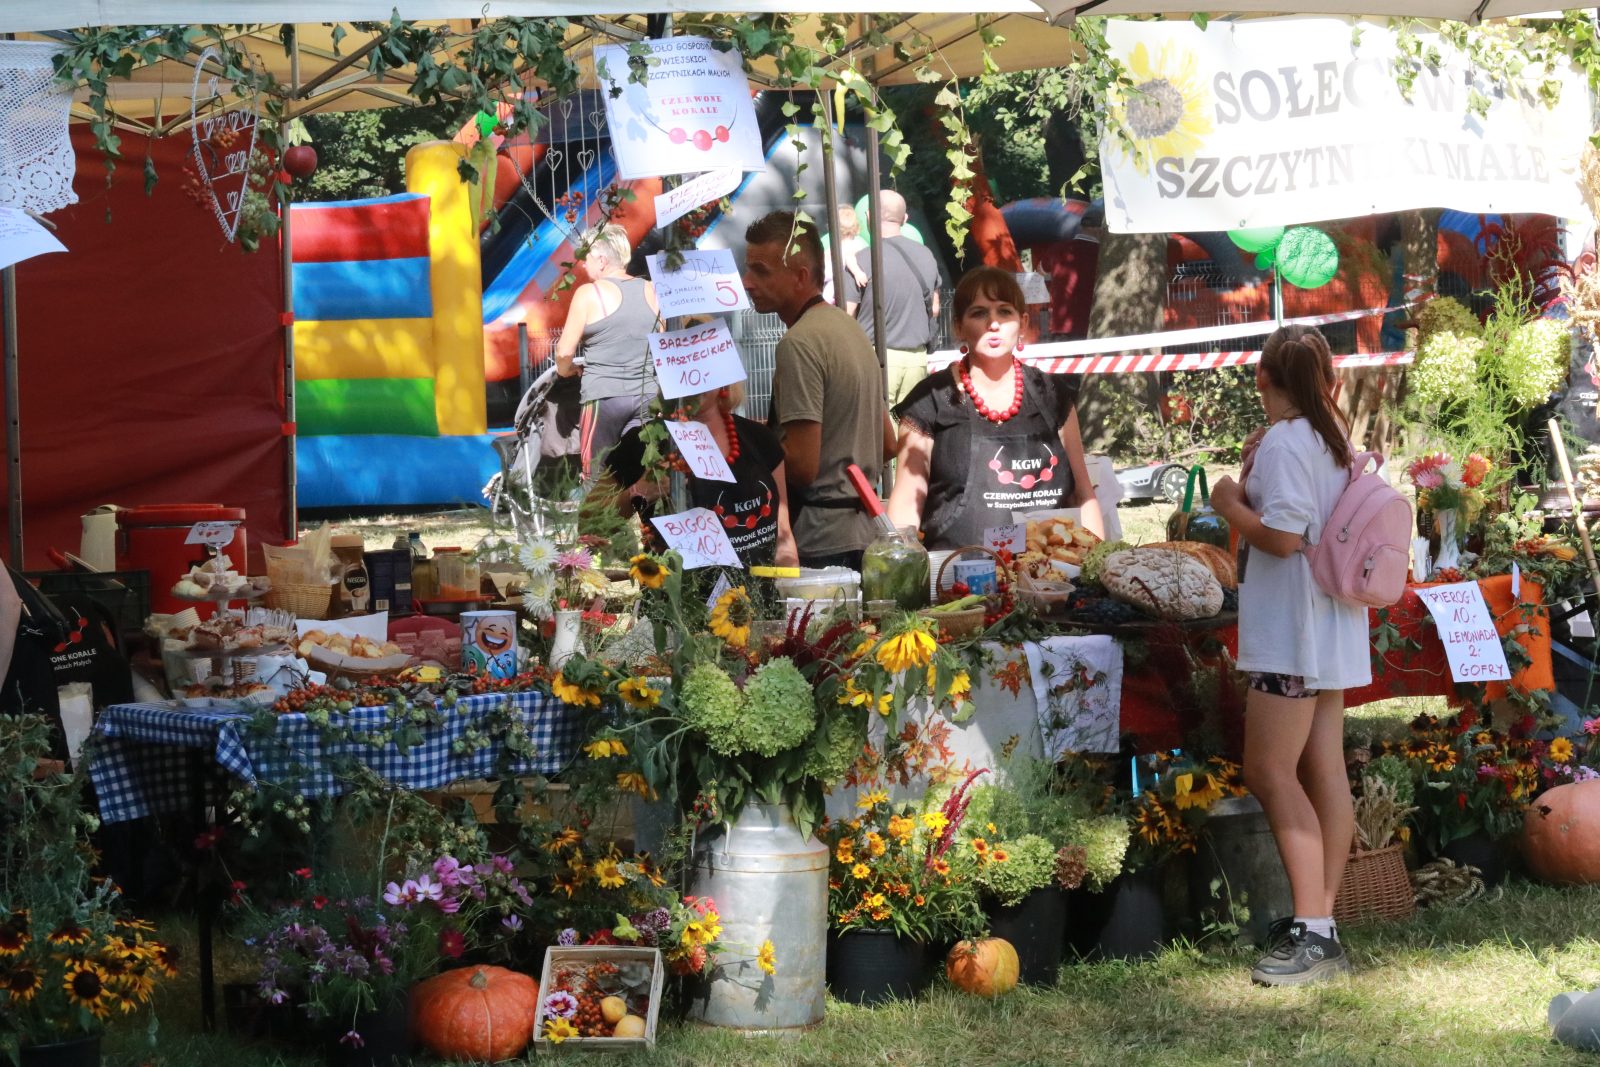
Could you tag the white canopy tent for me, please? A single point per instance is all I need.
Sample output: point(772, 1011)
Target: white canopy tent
point(20, 16)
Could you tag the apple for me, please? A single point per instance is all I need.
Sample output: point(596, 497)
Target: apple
point(300, 160)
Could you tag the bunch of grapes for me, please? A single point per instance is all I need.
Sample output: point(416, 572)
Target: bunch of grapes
point(1101, 610)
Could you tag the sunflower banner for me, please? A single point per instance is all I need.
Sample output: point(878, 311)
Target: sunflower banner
point(1272, 122)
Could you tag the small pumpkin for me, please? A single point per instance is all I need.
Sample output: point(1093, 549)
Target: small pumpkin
point(1561, 834)
point(475, 1013)
point(985, 968)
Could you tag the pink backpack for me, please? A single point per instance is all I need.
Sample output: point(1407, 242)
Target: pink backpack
point(1362, 557)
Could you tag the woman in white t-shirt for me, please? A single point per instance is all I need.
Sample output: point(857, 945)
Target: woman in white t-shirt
point(1300, 648)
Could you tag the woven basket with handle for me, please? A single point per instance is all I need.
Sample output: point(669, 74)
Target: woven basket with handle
point(1375, 886)
point(968, 621)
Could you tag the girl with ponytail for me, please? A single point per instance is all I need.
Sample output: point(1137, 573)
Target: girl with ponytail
point(1299, 648)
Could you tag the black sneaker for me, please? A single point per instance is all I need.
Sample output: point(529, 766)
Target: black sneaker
point(1300, 959)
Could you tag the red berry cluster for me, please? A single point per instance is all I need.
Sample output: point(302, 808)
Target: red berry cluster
point(1448, 574)
point(695, 223)
point(572, 200)
point(194, 188)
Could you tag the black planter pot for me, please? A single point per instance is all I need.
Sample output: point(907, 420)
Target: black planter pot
point(1125, 922)
point(247, 1015)
point(385, 1039)
point(873, 966)
point(1035, 927)
point(1481, 851)
point(78, 1052)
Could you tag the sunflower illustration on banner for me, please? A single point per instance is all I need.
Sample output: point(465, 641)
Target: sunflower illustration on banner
point(1167, 112)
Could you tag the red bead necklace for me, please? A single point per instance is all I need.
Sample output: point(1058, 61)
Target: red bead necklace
point(964, 373)
point(733, 438)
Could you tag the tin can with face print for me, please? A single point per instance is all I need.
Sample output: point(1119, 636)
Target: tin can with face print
point(489, 642)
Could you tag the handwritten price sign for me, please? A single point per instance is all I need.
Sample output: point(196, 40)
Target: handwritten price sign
point(698, 536)
point(705, 283)
point(213, 534)
point(675, 203)
point(695, 360)
point(1012, 538)
point(699, 450)
point(1471, 642)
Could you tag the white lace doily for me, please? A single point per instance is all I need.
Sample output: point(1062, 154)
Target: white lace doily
point(36, 158)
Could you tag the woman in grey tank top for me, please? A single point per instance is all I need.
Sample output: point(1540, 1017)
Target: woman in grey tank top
point(607, 324)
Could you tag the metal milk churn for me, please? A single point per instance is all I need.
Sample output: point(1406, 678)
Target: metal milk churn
point(768, 881)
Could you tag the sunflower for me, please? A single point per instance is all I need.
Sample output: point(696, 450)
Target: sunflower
point(906, 651)
point(868, 801)
point(1166, 112)
point(136, 926)
point(120, 995)
point(13, 939)
point(935, 821)
point(1441, 758)
point(568, 882)
point(846, 851)
point(22, 983)
point(70, 933)
point(608, 874)
point(85, 985)
point(941, 867)
point(854, 696)
point(1188, 795)
point(767, 957)
point(576, 695)
point(980, 846)
point(638, 692)
point(563, 839)
point(1417, 748)
point(1560, 750)
point(732, 616)
point(165, 957)
point(875, 843)
point(861, 872)
point(1150, 824)
point(633, 782)
point(647, 571)
point(651, 873)
point(605, 748)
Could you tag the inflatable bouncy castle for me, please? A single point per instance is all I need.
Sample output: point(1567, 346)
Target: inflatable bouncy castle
point(388, 335)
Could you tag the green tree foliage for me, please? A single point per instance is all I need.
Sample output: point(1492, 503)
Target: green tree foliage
point(363, 153)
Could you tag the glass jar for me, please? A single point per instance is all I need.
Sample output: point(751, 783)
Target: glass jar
point(896, 568)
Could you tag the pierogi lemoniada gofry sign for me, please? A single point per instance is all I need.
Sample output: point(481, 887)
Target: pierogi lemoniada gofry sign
point(692, 111)
point(1279, 121)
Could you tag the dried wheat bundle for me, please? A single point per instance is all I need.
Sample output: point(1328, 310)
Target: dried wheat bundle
point(1379, 815)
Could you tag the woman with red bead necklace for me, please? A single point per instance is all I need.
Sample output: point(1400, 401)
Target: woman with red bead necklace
point(988, 435)
point(754, 507)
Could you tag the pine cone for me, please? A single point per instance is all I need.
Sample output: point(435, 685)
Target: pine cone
point(1070, 867)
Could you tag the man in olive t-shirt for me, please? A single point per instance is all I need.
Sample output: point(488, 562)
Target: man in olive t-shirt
point(827, 393)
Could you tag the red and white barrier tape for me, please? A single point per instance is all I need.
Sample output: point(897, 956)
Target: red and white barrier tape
point(1130, 353)
point(1136, 362)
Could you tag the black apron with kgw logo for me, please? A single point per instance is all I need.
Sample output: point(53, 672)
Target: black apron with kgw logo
point(981, 471)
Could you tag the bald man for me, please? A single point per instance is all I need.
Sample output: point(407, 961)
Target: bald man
point(910, 298)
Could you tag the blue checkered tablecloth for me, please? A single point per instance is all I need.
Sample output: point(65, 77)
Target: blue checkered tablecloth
point(144, 756)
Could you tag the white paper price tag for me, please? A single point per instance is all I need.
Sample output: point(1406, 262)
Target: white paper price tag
point(1471, 642)
point(21, 237)
point(1034, 288)
point(695, 360)
point(698, 536)
point(212, 534)
point(699, 450)
point(706, 283)
point(722, 586)
point(1012, 538)
point(675, 203)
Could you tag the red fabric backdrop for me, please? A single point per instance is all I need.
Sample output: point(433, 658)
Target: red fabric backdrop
point(150, 360)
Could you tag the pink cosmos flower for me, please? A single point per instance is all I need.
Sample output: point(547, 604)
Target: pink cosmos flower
point(396, 895)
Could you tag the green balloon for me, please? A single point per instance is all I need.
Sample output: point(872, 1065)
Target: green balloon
point(1257, 239)
point(486, 123)
point(1307, 257)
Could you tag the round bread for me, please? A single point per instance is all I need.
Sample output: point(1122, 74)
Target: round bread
point(1162, 582)
point(1220, 563)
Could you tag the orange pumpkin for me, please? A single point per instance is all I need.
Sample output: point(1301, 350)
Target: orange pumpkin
point(475, 1013)
point(1561, 834)
point(986, 968)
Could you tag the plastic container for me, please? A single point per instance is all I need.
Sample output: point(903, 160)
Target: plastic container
point(151, 538)
point(821, 583)
point(458, 573)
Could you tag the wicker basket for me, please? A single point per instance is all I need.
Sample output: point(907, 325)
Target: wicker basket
point(963, 623)
point(1375, 886)
point(1003, 573)
point(304, 601)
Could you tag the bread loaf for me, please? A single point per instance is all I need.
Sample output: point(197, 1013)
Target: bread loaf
point(1219, 562)
point(1163, 582)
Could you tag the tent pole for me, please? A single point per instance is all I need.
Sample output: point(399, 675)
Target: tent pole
point(874, 283)
point(830, 185)
point(291, 472)
point(13, 404)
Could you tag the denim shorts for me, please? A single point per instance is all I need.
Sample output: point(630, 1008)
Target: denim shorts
point(1292, 686)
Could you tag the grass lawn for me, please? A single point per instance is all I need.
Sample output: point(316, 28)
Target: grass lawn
point(1450, 987)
